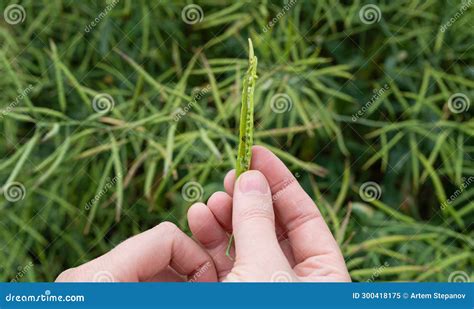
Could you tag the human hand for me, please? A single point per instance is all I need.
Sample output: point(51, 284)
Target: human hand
point(303, 251)
point(163, 253)
point(279, 232)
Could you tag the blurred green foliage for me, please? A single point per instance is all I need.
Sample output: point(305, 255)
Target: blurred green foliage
point(347, 98)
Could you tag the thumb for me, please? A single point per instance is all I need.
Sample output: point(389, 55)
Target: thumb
point(253, 219)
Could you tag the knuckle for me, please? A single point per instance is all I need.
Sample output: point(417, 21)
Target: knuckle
point(302, 218)
point(167, 227)
point(167, 231)
point(257, 211)
point(67, 275)
point(283, 184)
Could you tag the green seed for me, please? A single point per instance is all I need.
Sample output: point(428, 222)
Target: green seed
point(244, 155)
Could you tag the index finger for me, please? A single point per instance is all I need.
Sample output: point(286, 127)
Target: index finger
point(145, 255)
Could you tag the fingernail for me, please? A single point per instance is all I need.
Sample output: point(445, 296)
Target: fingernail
point(253, 181)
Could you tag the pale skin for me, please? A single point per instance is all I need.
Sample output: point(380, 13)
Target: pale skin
point(279, 235)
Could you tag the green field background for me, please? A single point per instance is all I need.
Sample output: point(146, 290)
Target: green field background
point(109, 111)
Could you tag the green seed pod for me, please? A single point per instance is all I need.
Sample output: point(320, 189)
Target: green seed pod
point(244, 155)
point(246, 115)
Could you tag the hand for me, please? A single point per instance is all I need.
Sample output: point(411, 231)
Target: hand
point(163, 253)
point(278, 230)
